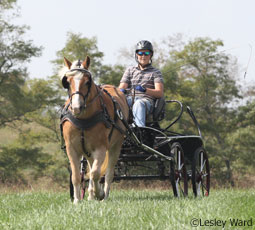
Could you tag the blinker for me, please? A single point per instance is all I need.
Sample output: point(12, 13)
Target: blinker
point(65, 83)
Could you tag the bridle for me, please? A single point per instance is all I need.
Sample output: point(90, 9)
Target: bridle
point(85, 97)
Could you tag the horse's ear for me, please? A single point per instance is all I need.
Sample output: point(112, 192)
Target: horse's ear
point(86, 62)
point(67, 63)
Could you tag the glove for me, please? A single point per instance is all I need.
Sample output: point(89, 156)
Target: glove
point(123, 91)
point(140, 88)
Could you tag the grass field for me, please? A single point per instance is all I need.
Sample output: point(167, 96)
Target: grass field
point(128, 209)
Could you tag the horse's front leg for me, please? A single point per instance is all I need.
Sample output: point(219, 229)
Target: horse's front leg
point(76, 177)
point(95, 191)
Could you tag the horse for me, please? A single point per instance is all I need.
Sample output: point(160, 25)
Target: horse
point(92, 127)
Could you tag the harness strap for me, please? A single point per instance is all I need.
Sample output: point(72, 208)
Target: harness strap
point(83, 144)
point(63, 146)
point(113, 122)
point(84, 124)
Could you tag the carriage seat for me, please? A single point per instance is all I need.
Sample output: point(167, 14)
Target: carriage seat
point(158, 112)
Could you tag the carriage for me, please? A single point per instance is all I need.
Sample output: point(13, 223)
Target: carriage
point(147, 153)
point(154, 153)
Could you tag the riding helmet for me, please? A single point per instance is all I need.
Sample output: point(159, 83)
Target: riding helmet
point(144, 45)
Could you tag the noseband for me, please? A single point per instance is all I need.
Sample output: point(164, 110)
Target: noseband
point(84, 98)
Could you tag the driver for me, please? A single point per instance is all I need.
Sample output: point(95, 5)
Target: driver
point(145, 81)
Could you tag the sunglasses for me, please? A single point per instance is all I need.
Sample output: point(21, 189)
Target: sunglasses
point(141, 53)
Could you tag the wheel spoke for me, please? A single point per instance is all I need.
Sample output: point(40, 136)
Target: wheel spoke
point(180, 179)
point(202, 166)
point(177, 187)
point(197, 172)
point(201, 161)
point(198, 188)
point(204, 175)
point(179, 160)
point(181, 166)
point(204, 186)
point(180, 189)
point(200, 173)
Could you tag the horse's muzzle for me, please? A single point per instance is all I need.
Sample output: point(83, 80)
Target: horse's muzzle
point(77, 110)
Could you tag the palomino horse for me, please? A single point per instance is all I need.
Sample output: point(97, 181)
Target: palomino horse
point(92, 128)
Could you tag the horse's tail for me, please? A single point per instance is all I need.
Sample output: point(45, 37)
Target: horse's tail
point(105, 164)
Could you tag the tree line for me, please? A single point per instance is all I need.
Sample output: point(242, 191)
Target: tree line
point(195, 72)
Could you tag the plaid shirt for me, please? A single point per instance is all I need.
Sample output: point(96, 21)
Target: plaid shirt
point(147, 78)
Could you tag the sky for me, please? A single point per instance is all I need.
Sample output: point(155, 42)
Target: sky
point(121, 24)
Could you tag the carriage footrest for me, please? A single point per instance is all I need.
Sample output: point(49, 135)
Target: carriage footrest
point(141, 177)
point(138, 157)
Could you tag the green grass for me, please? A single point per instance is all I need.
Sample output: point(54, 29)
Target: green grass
point(125, 209)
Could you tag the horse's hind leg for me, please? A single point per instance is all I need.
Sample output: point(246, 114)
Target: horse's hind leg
point(114, 153)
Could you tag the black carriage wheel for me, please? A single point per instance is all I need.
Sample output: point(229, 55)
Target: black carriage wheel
point(178, 172)
point(200, 173)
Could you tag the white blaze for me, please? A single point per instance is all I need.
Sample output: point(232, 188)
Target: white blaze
point(76, 102)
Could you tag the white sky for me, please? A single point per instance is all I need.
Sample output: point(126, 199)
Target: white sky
point(118, 24)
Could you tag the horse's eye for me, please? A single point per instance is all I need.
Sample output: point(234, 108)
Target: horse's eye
point(88, 82)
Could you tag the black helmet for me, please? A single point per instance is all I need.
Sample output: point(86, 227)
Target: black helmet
point(144, 45)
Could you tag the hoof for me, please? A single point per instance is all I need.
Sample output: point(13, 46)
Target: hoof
point(91, 197)
point(76, 201)
point(104, 200)
point(101, 196)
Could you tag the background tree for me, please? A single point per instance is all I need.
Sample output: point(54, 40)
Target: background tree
point(111, 75)
point(14, 53)
point(209, 87)
point(242, 139)
point(19, 97)
point(77, 47)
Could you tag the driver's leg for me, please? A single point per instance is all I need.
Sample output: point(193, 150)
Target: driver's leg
point(140, 108)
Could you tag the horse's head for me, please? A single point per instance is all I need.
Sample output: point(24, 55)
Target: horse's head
point(77, 79)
